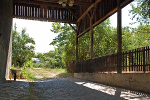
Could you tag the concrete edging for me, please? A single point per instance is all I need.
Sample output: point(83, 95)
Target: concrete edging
point(133, 81)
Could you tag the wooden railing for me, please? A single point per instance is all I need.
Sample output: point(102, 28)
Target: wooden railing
point(137, 60)
point(43, 13)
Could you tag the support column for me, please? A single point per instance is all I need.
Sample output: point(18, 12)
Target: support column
point(119, 38)
point(77, 49)
point(91, 48)
point(77, 42)
point(6, 15)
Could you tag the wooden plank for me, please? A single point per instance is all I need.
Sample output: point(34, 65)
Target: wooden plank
point(126, 61)
point(135, 65)
point(26, 10)
point(137, 60)
point(45, 12)
point(58, 13)
point(146, 58)
point(33, 11)
point(14, 10)
point(123, 60)
point(52, 12)
point(29, 13)
point(129, 60)
point(39, 12)
point(132, 60)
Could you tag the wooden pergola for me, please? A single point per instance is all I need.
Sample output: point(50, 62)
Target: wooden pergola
point(86, 14)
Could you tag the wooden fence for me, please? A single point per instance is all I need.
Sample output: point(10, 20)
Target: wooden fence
point(136, 60)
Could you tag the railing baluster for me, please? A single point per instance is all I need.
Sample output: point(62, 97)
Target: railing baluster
point(144, 70)
point(148, 59)
point(132, 59)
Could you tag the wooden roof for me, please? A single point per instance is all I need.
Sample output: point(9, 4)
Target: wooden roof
point(81, 12)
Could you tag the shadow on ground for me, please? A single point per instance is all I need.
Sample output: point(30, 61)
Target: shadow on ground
point(66, 89)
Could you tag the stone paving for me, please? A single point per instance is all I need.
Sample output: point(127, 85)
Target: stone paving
point(65, 89)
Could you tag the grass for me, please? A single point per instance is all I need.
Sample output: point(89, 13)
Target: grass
point(25, 74)
point(32, 74)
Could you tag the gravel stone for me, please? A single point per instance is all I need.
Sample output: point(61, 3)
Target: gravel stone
point(65, 89)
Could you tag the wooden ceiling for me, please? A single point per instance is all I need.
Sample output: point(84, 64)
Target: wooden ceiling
point(55, 2)
point(80, 13)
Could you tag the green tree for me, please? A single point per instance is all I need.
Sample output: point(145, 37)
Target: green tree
point(65, 41)
point(104, 38)
point(22, 47)
point(142, 36)
point(141, 11)
point(51, 59)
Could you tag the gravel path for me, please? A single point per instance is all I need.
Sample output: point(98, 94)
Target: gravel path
point(66, 89)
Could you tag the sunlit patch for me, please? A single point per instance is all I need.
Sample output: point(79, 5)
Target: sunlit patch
point(126, 94)
point(99, 87)
point(132, 95)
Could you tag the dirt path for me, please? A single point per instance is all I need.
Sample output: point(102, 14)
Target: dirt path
point(49, 73)
point(42, 74)
point(66, 89)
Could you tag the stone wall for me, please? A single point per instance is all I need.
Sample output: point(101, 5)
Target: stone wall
point(134, 81)
point(6, 15)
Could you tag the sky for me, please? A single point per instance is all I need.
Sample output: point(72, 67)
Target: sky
point(40, 31)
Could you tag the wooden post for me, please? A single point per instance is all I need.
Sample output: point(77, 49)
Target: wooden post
point(76, 48)
point(77, 33)
point(6, 15)
point(119, 38)
point(91, 48)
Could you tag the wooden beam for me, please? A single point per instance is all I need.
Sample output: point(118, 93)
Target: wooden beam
point(105, 17)
point(84, 32)
point(112, 12)
point(86, 12)
point(119, 38)
point(91, 47)
point(77, 41)
point(72, 27)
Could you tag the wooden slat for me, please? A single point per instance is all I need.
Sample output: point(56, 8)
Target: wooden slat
point(144, 70)
point(129, 60)
point(132, 60)
point(33, 11)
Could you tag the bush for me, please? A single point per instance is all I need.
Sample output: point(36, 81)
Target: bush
point(29, 64)
point(25, 74)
